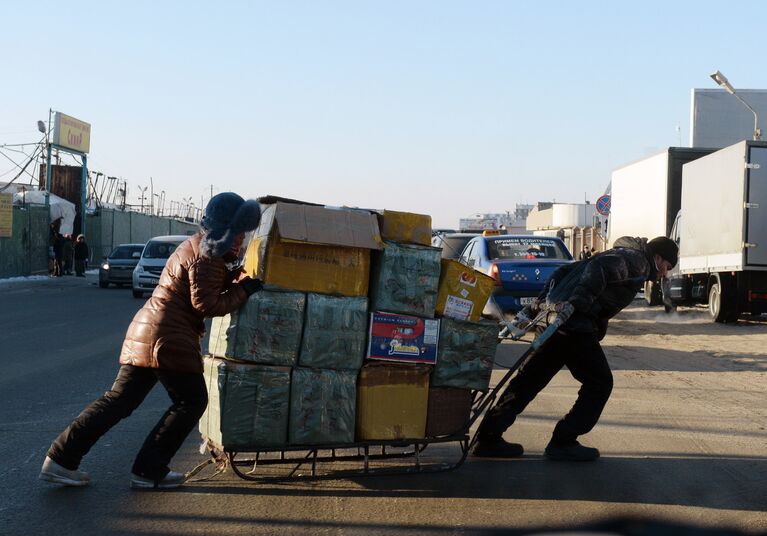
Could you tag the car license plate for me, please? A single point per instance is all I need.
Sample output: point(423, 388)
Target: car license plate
point(526, 301)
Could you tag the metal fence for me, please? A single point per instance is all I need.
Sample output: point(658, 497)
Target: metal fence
point(113, 227)
point(26, 252)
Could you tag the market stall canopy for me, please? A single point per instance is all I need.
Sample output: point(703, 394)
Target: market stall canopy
point(60, 208)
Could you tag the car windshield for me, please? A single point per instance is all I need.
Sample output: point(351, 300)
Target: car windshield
point(525, 248)
point(125, 252)
point(452, 246)
point(159, 250)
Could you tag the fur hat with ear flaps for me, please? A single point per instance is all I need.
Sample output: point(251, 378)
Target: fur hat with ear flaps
point(666, 248)
point(226, 215)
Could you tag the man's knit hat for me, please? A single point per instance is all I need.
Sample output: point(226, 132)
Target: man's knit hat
point(227, 215)
point(666, 248)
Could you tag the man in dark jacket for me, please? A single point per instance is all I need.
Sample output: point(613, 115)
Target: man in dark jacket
point(163, 344)
point(598, 288)
point(68, 255)
point(82, 253)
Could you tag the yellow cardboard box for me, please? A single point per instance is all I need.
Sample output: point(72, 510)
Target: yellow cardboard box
point(463, 291)
point(392, 401)
point(313, 248)
point(405, 227)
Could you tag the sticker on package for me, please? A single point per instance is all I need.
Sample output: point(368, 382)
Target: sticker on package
point(396, 337)
point(457, 308)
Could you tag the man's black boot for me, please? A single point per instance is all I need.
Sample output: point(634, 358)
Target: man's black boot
point(571, 451)
point(496, 447)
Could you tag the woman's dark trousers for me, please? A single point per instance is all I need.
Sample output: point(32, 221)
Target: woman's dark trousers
point(188, 394)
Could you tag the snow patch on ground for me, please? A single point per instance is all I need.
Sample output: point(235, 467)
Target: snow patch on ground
point(24, 279)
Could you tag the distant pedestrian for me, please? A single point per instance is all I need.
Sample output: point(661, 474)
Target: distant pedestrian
point(585, 254)
point(81, 255)
point(163, 344)
point(57, 241)
point(68, 255)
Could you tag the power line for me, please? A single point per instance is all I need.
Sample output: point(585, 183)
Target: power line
point(23, 169)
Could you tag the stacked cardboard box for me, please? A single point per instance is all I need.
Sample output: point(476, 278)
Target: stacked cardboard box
point(348, 319)
point(320, 336)
point(392, 401)
point(393, 386)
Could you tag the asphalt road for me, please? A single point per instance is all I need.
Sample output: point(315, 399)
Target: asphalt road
point(683, 441)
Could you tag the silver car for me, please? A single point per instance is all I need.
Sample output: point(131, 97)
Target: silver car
point(117, 268)
point(146, 276)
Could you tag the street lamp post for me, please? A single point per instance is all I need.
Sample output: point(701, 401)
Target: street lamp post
point(722, 81)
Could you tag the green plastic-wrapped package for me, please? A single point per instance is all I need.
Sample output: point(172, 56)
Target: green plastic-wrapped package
point(335, 332)
point(466, 354)
point(322, 406)
point(247, 404)
point(266, 330)
point(405, 279)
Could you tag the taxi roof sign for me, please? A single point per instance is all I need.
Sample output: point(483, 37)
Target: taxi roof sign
point(491, 232)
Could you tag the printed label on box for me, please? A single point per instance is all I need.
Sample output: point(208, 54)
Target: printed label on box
point(430, 332)
point(395, 337)
point(458, 308)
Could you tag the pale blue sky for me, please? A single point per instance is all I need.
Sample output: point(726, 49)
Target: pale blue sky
point(445, 108)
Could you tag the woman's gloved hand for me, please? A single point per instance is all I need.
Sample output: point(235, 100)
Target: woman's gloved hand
point(250, 285)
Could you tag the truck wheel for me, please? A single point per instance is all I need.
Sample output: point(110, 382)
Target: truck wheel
point(722, 300)
point(652, 293)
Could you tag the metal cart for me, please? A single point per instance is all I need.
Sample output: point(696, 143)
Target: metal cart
point(396, 457)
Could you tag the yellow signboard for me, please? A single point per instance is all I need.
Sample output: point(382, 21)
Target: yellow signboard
point(71, 133)
point(6, 215)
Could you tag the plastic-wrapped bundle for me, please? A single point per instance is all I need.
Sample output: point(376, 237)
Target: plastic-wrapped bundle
point(266, 330)
point(466, 354)
point(335, 331)
point(247, 404)
point(322, 406)
point(405, 279)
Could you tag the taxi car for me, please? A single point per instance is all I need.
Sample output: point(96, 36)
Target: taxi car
point(520, 265)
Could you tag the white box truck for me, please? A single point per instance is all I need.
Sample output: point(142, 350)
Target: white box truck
point(646, 197)
point(722, 233)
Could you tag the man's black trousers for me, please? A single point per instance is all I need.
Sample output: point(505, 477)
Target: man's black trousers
point(582, 355)
point(188, 394)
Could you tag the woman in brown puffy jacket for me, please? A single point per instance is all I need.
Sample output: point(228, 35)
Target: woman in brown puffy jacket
point(163, 344)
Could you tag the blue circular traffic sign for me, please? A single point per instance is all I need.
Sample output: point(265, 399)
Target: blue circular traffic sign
point(603, 205)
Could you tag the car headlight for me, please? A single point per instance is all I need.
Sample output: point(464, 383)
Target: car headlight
point(105, 266)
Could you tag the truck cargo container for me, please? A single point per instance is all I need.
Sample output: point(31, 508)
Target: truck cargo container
point(646, 197)
point(722, 233)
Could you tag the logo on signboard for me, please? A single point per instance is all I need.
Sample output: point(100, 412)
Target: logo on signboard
point(603, 205)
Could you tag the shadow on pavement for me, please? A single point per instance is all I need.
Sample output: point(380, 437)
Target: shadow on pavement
point(624, 526)
point(671, 480)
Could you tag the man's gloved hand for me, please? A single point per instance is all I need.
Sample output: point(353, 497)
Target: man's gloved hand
point(250, 285)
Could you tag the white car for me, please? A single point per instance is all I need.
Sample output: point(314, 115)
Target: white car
point(146, 275)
